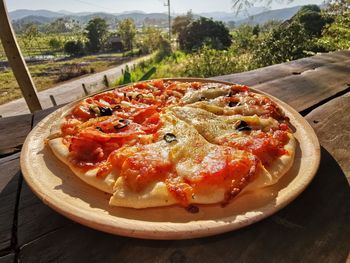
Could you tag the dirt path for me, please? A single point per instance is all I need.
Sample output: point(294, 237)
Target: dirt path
point(68, 91)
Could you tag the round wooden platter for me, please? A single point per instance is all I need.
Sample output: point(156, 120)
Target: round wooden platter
point(59, 188)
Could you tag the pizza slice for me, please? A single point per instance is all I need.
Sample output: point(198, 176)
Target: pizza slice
point(182, 167)
point(267, 139)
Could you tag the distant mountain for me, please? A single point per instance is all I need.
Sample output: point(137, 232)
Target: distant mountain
point(233, 16)
point(21, 13)
point(255, 15)
point(276, 15)
point(40, 17)
point(38, 20)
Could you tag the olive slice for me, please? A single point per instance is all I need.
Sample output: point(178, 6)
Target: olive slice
point(169, 137)
point(233, 104)
point(105, 111)
point(121, 124)
point(243, 126)
point(117, 107)
point(139, 96)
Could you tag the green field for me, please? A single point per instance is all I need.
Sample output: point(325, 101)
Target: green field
point(39, 45)
point(48, 74)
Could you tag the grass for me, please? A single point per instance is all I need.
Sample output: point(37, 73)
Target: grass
point(46, 74)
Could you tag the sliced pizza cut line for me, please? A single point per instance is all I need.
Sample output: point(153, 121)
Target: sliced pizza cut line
point(190, 170)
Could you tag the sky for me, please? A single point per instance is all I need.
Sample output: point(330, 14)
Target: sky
point(119, 6)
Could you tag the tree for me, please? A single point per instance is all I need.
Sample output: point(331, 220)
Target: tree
point(60, 25)
point(244, 38)
point(181, 22)
point(127, 30)
point(55, 43)
point(31, 31)
point(204, 31)
point(74, 48)
point(150, 39)
point(336, 35)
point(310, 18)
point(96, 33)
point(164, 49)
point(285, 43)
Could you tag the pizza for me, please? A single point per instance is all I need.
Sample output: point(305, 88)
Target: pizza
point(162, 142)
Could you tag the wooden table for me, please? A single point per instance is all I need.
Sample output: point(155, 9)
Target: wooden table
point(313, 228)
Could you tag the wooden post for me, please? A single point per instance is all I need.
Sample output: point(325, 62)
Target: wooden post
point(106, 81)
point(16, 60)
point(84, 89)
point(52, 98)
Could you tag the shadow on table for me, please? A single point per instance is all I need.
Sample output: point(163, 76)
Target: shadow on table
point(313, 228)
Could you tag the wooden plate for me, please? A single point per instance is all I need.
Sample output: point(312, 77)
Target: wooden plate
point(60, 189)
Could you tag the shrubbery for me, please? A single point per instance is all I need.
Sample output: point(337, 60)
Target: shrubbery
point(74, 48)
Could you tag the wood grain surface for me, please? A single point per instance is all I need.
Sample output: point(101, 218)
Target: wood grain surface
point(9, 175)
point(312, 228)
point(278, 71)
point(13, 131)
point(331, 122)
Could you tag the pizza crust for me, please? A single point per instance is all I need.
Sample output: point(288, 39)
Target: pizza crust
point(62, 153)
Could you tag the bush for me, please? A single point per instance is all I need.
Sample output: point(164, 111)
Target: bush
point(96, 33)
point(210, 62)
point(204, 31)
point(55, 44)
point(74, 48)
point(164, 50)
point(68, 72)
point(284, 43)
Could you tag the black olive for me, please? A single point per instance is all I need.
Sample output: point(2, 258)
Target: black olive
point(117, 107)
point(202, 99)
point(105, 111)
point(233, 103)
point(230, 94)
point(243, 126)
point(121, 124)
point(99, 128)
point(169, 137)
point(139, 96)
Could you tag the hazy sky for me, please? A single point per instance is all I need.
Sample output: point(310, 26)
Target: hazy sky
point(117, 6)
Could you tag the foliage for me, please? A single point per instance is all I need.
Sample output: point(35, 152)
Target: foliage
point(150, 39)
point(96, 33)
point(55, 43)
point(287, 42)
point(244, 38)
point(210, 62)
point(71, 71)
point(60, 25)
point(31, 31)
point(181, 22)
point(164, 49)
point(74, 48)
point(128, 78)
point(337, 35)
point(127, 30)
point(337, 7)
point(310, 18)
point(204, 31)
